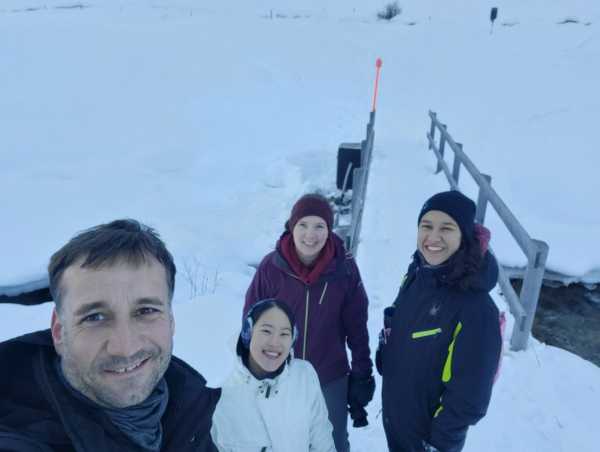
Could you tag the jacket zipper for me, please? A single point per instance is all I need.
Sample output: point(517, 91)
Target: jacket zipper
point(267, 388)
point(323, 293)
point(306, 316)
point(305, 325)
point(305, 313)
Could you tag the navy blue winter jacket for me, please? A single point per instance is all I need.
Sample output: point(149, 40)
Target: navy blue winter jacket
point(38, 414)
point(440, 358)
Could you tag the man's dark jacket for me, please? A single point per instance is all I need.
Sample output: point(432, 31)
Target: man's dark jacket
point(39, 414)
point(440, 358)
point(329, 313)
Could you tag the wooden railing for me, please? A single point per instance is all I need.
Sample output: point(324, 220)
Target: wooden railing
point(523, 305)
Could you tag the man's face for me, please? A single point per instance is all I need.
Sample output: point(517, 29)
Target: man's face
point(114, 332)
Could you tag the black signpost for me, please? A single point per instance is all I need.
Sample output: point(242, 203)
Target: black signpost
point(493, 16)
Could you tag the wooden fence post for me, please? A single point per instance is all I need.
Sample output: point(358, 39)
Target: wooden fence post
point(482, 200)
point(442, 147)
point(456, 166)
point(524, 305)
point(530, 292)
point(432, 129)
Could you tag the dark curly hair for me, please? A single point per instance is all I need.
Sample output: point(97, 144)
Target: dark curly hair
point(466, 263)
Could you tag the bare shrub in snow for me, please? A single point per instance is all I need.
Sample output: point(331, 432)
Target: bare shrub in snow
point(390, 11)
point(201, 280)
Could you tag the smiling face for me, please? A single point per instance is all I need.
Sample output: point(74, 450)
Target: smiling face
point(114, 331)
point(438, 237)
point(310, 234)
point(270, 343)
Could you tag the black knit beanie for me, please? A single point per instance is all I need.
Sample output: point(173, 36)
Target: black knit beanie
point(454, 204)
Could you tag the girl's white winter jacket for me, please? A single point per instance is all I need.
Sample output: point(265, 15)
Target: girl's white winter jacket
point(283, 414)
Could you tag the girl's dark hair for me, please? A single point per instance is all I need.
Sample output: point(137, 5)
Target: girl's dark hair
point(466, 263)
point(255, 313)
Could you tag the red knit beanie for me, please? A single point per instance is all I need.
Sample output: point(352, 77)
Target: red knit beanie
point(311, 204)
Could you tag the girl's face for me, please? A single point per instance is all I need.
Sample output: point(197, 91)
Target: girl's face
point(438, 237)
point(270, 343)
point(310, 234)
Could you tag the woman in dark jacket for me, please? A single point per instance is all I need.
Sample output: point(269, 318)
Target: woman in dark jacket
point(311, 270)
point(441, 343)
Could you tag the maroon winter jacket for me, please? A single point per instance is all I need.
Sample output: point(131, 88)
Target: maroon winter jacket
point(329, 313)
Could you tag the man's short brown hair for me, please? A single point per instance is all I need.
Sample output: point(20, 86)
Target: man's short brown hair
point(120, 240)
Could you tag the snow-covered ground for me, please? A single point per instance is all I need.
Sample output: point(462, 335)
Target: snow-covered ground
point(207, 120)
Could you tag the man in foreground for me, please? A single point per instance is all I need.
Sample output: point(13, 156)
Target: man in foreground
point(103, 377)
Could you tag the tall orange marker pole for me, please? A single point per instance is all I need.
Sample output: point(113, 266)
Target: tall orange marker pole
point(378, 64)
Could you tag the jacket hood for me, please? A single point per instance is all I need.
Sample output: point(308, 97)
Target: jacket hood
point(484, 280)
point(340, 253)
point(487, 277)
point(40, 338)
point(241, 374)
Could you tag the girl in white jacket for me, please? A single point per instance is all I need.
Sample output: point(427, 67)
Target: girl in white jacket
point(271, 402)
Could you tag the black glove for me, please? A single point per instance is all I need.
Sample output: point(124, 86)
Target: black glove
point(379, 357)
point(360, 393)
point(388, 313)
point(384, 335)
point(360, 390)
point(358, 415)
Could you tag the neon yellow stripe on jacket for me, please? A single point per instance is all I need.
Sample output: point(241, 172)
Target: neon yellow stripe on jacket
point(418, 334)
point(447, 373)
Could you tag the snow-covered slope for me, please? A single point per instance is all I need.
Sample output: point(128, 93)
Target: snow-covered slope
point(136, 108)
point(206, 120)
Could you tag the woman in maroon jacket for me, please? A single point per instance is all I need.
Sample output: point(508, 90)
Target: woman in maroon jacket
point(311, 270)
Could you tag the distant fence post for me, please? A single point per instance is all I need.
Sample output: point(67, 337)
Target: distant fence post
point(524, 305)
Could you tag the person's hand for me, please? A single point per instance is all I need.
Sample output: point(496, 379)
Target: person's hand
point(358, 415)
point(360, 393)
point(384, 336)
point(388, 314)
point(360, 390)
